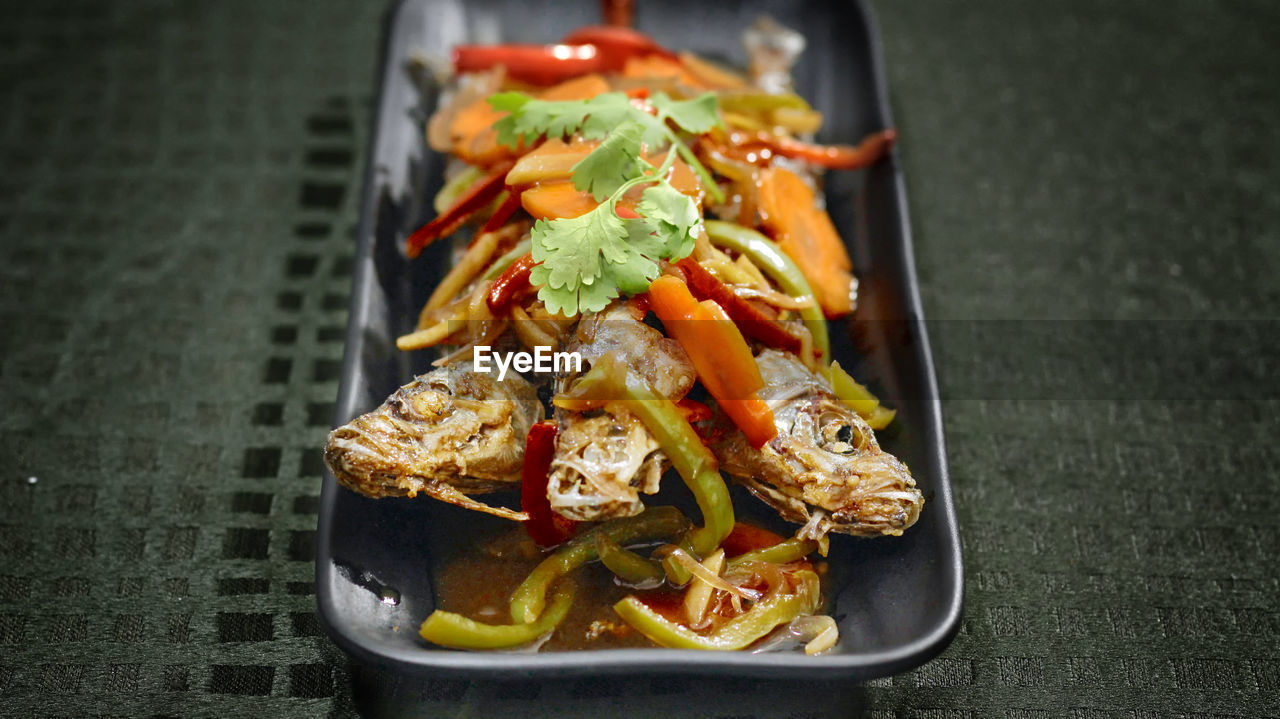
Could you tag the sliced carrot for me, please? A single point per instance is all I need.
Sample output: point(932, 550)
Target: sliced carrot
point(556, 200)
point(657, 66)
point(805, 233)
point(579, 88)
point(552, 160)
point(474, 139)
point(553, 198)
point(719, 353)
point(711, 74)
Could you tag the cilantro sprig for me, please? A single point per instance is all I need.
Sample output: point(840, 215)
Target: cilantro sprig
point(587, 261)
point(601, 116)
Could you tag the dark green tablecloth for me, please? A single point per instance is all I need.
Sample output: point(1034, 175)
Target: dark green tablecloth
point(178, 193)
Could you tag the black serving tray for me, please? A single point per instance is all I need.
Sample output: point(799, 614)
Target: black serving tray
point(897, 600)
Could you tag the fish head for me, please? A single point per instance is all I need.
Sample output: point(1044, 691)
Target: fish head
point(452, 425)
point(825, 467)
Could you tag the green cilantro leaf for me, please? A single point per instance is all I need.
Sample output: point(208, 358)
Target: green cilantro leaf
point(675, 216)
point(697, 116)
point(611, 164)
point(570, 249)
point(585, 262)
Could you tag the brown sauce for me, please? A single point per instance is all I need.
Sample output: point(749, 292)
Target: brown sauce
point(477, 582)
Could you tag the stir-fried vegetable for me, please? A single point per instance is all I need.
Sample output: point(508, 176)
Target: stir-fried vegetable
point(778, 266)
point(738, 632)
point(788, 550)
point(626, 564)
point(835, 157)
point(473, 200)
point(867, 405)
point(454, 630)
point(544, 526)
point(753, 323)
point(528, 600)
point(804, 231)
point(721, 355)
point(513, 282)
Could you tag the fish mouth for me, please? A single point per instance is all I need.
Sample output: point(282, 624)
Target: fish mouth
point(886, 512)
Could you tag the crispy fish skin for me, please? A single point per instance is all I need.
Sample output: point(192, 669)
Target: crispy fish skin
point(606, 458)
point(448, 433)
point(824, 469)
point(603, 460)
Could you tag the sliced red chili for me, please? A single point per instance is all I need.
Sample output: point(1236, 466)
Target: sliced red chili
point(475, 199)
point(835, 157)
point(618, 44)
point(750, 320)
point(536, 64)
point(503, 213)
point(544, 526)
point(511, 284)
point(693, 410)
point(584, 51)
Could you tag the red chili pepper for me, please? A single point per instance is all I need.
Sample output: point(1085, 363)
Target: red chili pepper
point(836, 157)
point(639, 306)
point(475, 199)
point(586, 50)
point(617, 44)
point(544, 526)
point(536, 64)
point(513, 282)
point(751, 321)
point(503, 213)
point(693, 410)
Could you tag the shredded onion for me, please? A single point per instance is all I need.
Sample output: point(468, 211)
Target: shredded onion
point(775, 298)
point(820, 630)
point(696, 569)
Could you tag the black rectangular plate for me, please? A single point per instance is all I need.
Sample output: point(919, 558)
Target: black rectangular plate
point(897, 600)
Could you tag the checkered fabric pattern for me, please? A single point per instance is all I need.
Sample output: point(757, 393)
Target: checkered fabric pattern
point(176, 215)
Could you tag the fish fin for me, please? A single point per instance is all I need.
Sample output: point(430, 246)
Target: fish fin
point(445, 493)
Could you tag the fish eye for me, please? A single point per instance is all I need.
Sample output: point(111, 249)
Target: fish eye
point(845, 434)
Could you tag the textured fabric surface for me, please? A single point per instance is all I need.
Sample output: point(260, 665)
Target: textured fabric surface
point(175, 238)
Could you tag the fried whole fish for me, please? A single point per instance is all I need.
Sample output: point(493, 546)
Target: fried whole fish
point(448, 433)
point(606, 458)
point(824, 468)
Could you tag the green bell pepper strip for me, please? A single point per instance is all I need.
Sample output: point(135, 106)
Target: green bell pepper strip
point(738, 632)
point(766, 255)
point(691, 458)
point(788, 550)
point(609, 381)
point(448, 629)
point(749, 101)
point(859, 398)
point(626, 564)
point(501, 264)
point(454, 189)
point(529, 598)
